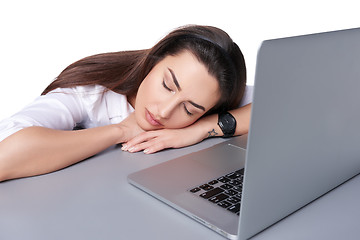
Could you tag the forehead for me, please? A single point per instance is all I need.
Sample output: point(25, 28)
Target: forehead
point(195, 81)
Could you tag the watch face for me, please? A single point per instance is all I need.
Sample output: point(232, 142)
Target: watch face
point(228, 120)
point(227, 124)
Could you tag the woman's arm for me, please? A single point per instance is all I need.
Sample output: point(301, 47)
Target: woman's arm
point(154, 141)
point(38, 150)
point(242, 116)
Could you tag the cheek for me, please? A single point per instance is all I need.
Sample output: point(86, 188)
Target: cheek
point(140, 120)
point(180, 120)
point(146, 98)
point(143, 95)
point(148, 91)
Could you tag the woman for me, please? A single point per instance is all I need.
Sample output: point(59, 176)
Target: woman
point(152, 99)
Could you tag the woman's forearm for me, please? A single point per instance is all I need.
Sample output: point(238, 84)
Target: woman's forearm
point(211, 128)
point(37, 150)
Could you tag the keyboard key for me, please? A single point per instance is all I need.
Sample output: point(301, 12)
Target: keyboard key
point(237, 188)
point(218, 198)
point(206, 187)
point(194, 190)
point(233, 200)
point(211, 193)
point(231, 192)
point(224, 179)
point(226, 186)
point(213, 182)
point(241, 171)
point(233, 175)
point(235, 182)
point(224, 204)
point(235, 208)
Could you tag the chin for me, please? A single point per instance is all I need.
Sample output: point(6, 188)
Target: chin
point(151, 128)
point(147, 127)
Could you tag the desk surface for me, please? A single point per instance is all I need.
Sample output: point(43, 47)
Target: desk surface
point(93, 200)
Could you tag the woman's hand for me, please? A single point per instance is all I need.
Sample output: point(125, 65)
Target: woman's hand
point(154, 141)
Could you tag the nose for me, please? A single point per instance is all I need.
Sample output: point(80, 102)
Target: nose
point(166, 108)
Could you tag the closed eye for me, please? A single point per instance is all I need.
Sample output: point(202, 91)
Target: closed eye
point(166, 87)
point(186, 110)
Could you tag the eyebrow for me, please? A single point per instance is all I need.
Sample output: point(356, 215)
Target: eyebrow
point(174, 79)
point(197, 105)
point(179, 88)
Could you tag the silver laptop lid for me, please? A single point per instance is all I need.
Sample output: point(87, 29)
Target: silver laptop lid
point(305, 127)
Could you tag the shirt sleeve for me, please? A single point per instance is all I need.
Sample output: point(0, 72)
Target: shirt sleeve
point(60, 109)
point(248, 96)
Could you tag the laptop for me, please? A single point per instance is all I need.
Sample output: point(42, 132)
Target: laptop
point(303, 140)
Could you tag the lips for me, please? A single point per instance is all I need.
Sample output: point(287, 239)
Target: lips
point(150, 118)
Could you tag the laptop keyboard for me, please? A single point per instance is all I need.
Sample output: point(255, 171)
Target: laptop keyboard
point(224, 191)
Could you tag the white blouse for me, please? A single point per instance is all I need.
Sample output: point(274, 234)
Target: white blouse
point(67, 108)
point(82, 106)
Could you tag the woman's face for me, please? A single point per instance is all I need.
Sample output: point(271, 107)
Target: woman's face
point(175, 93)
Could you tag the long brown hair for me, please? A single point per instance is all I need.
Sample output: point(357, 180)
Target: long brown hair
point(123, 72)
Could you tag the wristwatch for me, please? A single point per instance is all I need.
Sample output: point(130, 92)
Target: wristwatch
point(227, 124)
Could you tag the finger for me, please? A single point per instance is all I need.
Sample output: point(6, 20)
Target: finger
point(156, 146)
point(139, 147)
point(153, 145)
point(143, 137)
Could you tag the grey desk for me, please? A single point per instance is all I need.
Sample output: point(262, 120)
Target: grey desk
point(92, 200)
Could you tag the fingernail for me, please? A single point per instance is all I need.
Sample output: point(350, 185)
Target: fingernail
point(131, 149)
point(124, 147)
point(146, 150)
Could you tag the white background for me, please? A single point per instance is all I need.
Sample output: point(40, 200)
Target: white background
point(38, 39)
